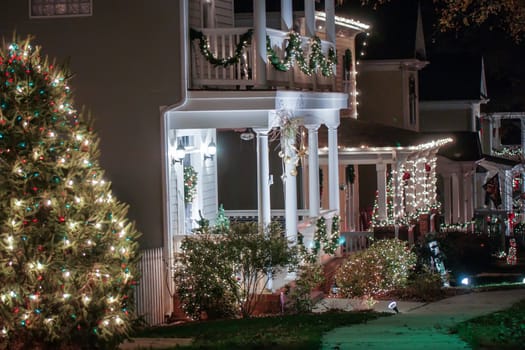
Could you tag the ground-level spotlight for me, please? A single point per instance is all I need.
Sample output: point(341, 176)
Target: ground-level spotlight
point(393, 306)
point(465, 281)
point(523, 280)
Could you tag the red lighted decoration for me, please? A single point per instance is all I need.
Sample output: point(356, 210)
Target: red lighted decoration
point(406, 175)
point(511, 256)
point(427, 167)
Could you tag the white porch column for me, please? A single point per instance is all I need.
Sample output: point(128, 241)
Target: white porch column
point(290, 190)
point(506, 193)
point(399, 209)
point(381, 191)
point(469, 197)
point(465, 198)
point(309, 14)
point(263, 178)
point(333, 167)
point(259, 21)
point(286, 15)
point(522, 124)
point(497, 137)
point(455, 194)
point(491, 135)
point(313, 170)
point(448, 198)
point(329, 7)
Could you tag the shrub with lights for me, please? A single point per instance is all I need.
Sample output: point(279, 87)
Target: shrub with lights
point(386, 265)
point(67, 252)
point(221, 275)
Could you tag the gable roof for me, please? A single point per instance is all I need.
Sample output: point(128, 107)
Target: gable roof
point(453, 77)
point(466, 146)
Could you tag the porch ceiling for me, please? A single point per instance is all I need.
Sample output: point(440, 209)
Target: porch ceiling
point(254, 108)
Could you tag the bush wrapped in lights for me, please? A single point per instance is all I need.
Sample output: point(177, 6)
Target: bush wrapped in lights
point(384, 266)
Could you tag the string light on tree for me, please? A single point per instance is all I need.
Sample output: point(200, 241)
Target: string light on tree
point(56, 216)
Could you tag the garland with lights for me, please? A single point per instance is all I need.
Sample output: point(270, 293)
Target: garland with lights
point(190, 183)
point(293, 53)
point(68, 254)
point(204, 46)
point(513, 153)
point(323, 241)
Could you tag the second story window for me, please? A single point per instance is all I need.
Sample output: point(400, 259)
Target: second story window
point(60, 8)
point(412, 100)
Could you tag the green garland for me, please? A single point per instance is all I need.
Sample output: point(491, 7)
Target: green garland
point(293, 53)
point(322, 240)
point(204, 46)
point(190, 184)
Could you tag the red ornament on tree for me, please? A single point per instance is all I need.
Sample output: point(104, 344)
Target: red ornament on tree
point(427, 167)
point(406, 175)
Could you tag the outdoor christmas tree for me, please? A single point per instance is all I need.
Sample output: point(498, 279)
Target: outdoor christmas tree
point(67, 252)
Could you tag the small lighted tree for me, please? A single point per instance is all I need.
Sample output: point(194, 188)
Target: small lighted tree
point(67, 252)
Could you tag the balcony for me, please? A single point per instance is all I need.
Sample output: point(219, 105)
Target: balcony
point(226, 58)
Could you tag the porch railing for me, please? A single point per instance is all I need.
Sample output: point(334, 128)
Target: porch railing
point(253, 216)
point(222, 43)
point(356, 241)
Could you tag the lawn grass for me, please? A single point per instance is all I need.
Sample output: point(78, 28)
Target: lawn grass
point(500, 330)
point(277, 332)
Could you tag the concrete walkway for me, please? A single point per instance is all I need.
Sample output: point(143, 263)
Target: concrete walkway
point(420, 326)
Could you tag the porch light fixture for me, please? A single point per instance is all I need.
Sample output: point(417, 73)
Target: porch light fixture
point(180, 153)
point(211, 150)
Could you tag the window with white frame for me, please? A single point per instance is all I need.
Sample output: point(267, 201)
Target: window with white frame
point(60, 8)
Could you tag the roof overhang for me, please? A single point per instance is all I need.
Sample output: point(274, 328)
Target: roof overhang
point(256, 109)
point(392, 64)
point(445, 105)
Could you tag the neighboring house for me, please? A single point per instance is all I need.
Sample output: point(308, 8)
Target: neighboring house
point(391, 166)
point(503, 140)
point(453, 91)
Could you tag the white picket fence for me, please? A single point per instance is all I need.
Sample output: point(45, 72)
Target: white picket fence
point(151, 292)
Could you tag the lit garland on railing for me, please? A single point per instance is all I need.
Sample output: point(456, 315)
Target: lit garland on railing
point(323, 241)
point(204, 46)
point(294, 52)
point(513, 153)
point(459, 227)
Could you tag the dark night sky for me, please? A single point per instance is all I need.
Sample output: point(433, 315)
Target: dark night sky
point(503, 58)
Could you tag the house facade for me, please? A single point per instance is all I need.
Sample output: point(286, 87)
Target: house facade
point(164, 81)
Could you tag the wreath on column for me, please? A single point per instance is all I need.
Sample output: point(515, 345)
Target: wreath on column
point(190, 184)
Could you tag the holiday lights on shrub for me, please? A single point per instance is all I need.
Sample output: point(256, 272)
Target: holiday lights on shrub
point(67, 252)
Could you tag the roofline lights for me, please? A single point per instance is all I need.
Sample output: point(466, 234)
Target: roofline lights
point(343, 21)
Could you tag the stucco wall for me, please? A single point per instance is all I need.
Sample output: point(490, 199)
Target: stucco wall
point(126, 63)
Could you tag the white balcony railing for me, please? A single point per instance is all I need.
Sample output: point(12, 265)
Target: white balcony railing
point(223, 44)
